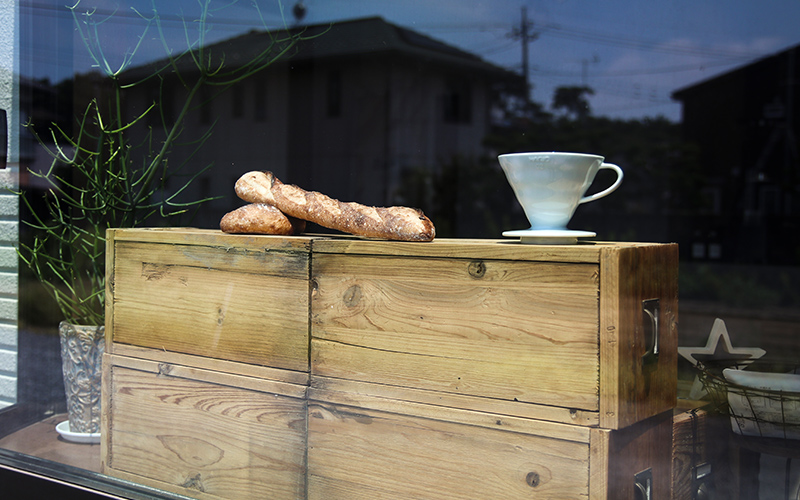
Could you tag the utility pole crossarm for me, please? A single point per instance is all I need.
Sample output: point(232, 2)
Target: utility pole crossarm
point(525, 34)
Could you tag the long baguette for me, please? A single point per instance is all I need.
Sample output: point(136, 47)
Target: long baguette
point(394, 223)
point(260, 218)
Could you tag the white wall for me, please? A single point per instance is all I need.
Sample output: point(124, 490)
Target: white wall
point(9, 204)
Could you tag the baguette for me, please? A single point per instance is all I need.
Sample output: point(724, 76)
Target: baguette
point(393, 223)
point(261, 218)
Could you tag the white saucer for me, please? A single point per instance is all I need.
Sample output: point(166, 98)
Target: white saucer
point(549, 236)
point(77, 437)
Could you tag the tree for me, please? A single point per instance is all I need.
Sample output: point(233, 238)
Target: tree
point(573, 101)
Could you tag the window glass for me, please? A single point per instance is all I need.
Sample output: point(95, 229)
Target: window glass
point(145, 113)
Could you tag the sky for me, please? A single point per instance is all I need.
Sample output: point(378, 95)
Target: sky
point(633, 53)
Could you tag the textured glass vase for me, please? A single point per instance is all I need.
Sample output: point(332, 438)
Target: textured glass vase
point(82, 350)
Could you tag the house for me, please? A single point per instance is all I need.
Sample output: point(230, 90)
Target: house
point(346, 112)
point(745, 125)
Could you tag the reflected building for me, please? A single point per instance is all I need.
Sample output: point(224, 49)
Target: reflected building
point(346, 111)
point(744, 124)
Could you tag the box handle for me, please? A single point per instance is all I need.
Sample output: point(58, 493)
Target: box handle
point(651, 309)
point(643, 485)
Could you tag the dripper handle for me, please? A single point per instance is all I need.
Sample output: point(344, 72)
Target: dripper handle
point(608, 190)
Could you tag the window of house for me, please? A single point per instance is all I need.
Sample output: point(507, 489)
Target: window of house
point(457, 102)
point(307, 365)
point(237, 103)
point(260, 99)
point(333, 94)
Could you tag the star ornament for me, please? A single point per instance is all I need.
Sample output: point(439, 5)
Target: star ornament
point(717, 348)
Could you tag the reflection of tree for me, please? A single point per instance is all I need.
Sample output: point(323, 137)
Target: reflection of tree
point(473, 199)
point(573, 101)
point(464, 198)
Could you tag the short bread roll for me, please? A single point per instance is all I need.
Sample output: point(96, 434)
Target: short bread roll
point(261, 218)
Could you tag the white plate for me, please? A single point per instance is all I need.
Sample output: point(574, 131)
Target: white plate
point(549, 236)
point(77, 437)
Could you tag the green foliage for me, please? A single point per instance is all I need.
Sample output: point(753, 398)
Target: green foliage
point(573, 101)
point(103, 175)
point(661, 170)
point(467, 198)
point(472, 198)
point(740, 286)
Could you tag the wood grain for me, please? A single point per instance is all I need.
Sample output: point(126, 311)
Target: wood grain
point(356, 453)
point(239, 304)
point(211, 364)
point(352, 392)
point(445, 413)
point(618, 455)
point(506, 330)
point(213, 238)
point(203, 438)
point(689, 450)
point(463, 248)
point(632, 390)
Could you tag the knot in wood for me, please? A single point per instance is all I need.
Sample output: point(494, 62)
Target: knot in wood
point(352, 296)
point(532, 479)
point(476, 269)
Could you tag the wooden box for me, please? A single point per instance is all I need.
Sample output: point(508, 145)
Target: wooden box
point(202, 432)
point(558, 333)
point(692, 472)
point(336, 367)
point(230, 297)
point(364, 447)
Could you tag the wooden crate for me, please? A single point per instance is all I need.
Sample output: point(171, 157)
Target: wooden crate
point(389, 369)
point(692, 470)
point(230, 297)
point(202, 432)
point(365, 447)
point(547, 332)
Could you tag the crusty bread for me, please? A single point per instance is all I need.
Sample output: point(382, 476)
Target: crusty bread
point(261, 218)
point(394, 223)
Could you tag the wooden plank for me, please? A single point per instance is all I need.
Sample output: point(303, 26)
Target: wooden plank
point(507, 330)
point(204, 438)
point(109, 288)
point(457, 415)
point(236, 305)
point(617, 456)
point(464, 249)
point(212, 238)
point(106, 401)
point(355, 389)
point(218, 378)
point(599, 464)
point(637, 448)
point(689, 450)
point(356, 453)
point(157, 259)
point(632, 390)
point(212, 364)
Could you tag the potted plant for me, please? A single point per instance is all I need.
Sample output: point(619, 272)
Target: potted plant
point(102, 175)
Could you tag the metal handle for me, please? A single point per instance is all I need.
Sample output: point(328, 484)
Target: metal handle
point(651, 309)
point(643, 485)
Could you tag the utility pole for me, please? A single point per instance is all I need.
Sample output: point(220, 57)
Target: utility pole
point(526, 36)
point(585, 69)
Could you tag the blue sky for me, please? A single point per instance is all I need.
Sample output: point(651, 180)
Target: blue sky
point(633, 53)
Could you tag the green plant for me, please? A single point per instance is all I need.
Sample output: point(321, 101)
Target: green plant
point(106, 175)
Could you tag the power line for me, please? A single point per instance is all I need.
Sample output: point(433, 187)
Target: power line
point(641, 44)
point(639, 72)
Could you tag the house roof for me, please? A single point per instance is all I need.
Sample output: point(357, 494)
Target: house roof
point(371, 36)
point(682, 92)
